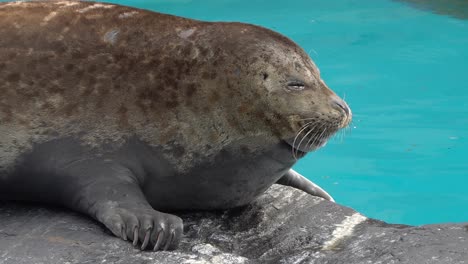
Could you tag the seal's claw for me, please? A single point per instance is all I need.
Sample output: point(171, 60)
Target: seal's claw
point(146, 240)
point(135, 236)
point(123, 233)
point(159, 240)
point(145, 231)
point(149, 227)
point(122, 225)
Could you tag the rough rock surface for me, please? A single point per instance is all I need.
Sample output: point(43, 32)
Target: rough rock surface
point(283, 226)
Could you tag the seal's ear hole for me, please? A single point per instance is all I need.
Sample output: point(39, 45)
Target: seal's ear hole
point(265, 75)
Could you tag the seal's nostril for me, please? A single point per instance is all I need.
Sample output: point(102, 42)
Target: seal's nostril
point(342, 105)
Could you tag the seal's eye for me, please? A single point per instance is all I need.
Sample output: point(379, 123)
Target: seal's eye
point(296, 85)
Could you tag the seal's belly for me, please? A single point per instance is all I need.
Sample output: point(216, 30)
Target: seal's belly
point(218, 186)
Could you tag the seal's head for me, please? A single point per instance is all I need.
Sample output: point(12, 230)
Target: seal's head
point(299, 107)
point(299, 95)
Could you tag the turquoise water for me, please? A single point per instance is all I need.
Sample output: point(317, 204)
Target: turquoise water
point(404, 72)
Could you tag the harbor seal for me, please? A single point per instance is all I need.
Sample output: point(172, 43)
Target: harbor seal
point(123, 114)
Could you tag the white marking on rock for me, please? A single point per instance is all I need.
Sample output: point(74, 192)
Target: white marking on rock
point(343, 230)
point(127, 14)
point(186, 33)
point(206, 249)
point(95, 6)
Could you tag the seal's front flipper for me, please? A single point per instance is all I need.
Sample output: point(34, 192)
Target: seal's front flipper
point(110, 193)
point(296, 180)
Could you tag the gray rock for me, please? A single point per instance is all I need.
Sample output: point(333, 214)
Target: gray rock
point(282, 226)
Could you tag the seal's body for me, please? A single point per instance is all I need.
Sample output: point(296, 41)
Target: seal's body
point(113, 111)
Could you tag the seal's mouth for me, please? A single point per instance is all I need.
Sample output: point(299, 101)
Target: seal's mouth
point(314, 130)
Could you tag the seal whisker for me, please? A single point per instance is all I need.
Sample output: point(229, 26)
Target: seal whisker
point(310, 141)
point(320, 136)
point(344, 133)
point(304, 127)
point(341, 135)
point(304, 137)
point(295, 149)
point(350, 127)
point(325, 134)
